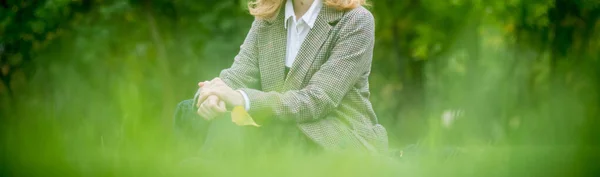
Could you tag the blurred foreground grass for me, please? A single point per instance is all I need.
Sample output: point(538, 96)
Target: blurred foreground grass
point(92, 86)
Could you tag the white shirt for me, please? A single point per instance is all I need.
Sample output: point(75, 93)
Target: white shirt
point(297, 30)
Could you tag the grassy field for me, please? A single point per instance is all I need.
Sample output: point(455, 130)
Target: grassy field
point(464, 87)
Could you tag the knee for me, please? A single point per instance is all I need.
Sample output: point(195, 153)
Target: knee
point(186, 104)
point(182, 111)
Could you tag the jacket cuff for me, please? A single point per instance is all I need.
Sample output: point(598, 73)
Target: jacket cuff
point(246, 100)
point(259, 105)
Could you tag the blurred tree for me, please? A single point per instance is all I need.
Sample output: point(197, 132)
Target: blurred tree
point(29, 26)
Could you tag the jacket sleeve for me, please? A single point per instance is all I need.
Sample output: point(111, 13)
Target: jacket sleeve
point(244, 73)
point(349, 59)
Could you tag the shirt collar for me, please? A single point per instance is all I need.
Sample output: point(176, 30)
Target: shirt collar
point(309, 17)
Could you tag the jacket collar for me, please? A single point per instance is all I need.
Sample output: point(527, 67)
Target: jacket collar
point(272, 63)
point(326, 13)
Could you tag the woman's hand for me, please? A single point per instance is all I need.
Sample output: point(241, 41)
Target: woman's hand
point(225, 93)
point(218, 90)
point(211, 107)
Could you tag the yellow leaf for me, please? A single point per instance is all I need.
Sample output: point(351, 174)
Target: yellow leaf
point(240, 117)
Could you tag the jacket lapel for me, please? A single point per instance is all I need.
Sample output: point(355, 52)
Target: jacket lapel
point(271, 60)
point(310, 47)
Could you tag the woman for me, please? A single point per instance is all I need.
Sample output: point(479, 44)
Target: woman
point(303, 66)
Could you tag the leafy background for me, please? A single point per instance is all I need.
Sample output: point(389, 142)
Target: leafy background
point(89, 87)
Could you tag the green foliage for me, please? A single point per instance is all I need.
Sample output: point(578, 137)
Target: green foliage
point(89, 87)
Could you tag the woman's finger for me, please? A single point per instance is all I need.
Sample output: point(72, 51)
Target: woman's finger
point(205, 113)
point(200, 112)
point(217, 82)
point(198, 97)
point(221, 107)
point(204, 94)
point(212, 100)
point(217, 107)
point(211, 103)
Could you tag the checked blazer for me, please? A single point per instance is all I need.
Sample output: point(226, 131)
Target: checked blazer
point(326, 92)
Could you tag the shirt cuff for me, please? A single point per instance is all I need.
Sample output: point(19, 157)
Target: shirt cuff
point(246, 100)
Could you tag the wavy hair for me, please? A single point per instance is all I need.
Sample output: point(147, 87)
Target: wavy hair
point(264, 9)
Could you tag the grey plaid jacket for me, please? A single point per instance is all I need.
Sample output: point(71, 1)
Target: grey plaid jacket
point(326, 92)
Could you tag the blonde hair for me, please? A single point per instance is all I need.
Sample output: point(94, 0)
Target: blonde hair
point(264, 9)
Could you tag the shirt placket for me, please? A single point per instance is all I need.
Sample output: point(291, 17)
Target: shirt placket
point(298, 40)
